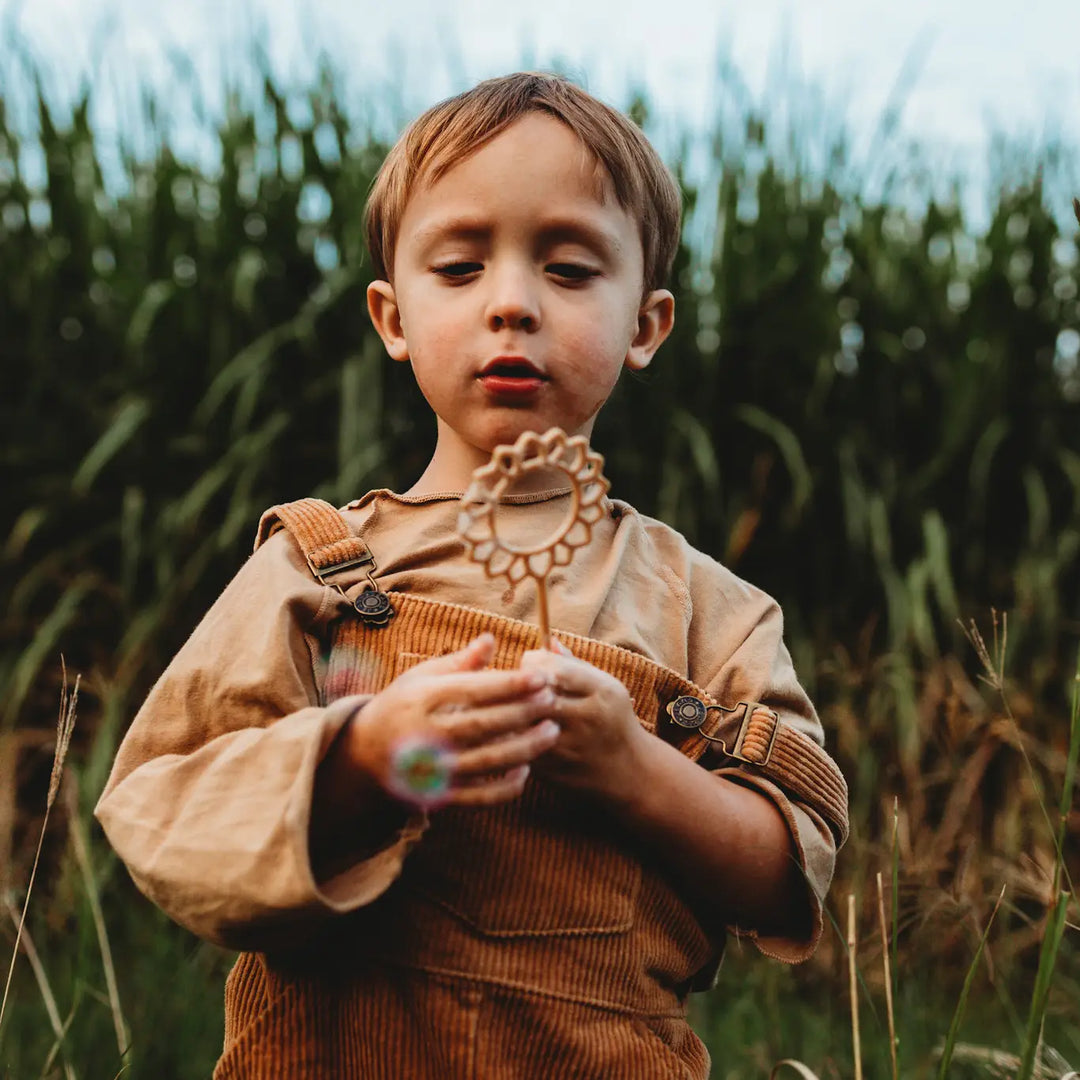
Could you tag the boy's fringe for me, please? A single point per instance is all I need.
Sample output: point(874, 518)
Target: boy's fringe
point(65, 725)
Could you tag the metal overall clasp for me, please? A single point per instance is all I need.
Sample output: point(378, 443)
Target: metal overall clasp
point(372, 605)
point(690, 712)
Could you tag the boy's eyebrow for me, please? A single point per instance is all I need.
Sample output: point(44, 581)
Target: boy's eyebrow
point(464, 229)
point(575, 231)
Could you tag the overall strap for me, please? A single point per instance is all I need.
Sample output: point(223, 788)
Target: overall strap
point(670, 705)
point(321, 533)
point(330, 547)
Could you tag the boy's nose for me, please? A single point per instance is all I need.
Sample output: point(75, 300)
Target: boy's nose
point(513, 302)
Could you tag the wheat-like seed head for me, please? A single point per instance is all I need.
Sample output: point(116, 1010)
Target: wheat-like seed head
point(65, 725)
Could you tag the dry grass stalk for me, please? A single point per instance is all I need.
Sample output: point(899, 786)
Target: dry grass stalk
point(24, 939)
point(852, 940)
point(82, 857)
point(1050, 1066)
point(65, 725)
point(993, 662)
point(888, 975)
point(58, 1042)
point(803, 1070)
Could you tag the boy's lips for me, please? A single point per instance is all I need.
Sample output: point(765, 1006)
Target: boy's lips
point(511, 376)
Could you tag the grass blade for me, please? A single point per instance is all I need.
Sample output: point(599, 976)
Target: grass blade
point(894, 899)
point(131, 415)
point(888, 976)
point(790, 1063)
point(852, 941)
point(1070, 776)
point(23, 939)
point(949, 1046)
point(1055, 930)
point(65, 725)
point(82, 857)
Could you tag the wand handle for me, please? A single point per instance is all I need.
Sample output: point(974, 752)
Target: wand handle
point(542, 611)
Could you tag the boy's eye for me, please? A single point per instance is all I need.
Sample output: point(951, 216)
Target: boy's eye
point(458, 269)
point(571, 271)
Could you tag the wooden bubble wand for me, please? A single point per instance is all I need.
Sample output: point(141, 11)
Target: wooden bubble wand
point(533, 453)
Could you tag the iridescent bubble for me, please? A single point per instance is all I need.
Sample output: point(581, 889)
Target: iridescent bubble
point(352, 670)
point(420, 771)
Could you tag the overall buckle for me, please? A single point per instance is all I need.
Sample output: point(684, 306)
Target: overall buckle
point(372, 605)
point(691, 712)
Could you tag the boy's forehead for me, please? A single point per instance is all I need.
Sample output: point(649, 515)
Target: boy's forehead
point(562, 146)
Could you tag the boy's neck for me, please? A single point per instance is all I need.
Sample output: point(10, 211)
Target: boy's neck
point(452, 466)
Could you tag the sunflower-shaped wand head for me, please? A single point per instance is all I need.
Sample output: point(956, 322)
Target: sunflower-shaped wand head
point(532, 453)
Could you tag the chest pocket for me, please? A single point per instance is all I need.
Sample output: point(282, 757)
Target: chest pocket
point(547, 863)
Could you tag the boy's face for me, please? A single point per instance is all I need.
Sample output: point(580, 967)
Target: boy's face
point(517, 292)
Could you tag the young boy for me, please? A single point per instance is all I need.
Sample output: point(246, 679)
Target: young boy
point(543, 899)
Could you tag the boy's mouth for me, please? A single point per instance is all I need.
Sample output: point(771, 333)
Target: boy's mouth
point(511, 375)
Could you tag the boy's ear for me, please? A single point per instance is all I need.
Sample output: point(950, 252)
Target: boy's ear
point(656, 317)
point(386, 318)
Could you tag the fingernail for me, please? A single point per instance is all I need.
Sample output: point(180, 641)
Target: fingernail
point(551, 729)
point(537, 680)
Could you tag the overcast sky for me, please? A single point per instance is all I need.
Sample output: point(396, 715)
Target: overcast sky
point(984, 65)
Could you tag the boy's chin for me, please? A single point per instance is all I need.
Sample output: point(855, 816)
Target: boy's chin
point(508, 430)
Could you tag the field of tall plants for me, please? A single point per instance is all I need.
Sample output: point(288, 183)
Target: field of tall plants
point(868, 407)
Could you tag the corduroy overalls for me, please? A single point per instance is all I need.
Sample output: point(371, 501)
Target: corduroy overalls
point(525, 940)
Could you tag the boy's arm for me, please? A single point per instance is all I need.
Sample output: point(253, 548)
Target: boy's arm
point(737, 653)
point(744, 853)
point(210, 799)
point(737, 854)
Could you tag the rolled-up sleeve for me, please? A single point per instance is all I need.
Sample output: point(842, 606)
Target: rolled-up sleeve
point(210, 798)
point(744, 658)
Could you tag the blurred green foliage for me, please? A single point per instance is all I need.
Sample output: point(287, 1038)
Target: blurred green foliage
point(869, 410)
point(866, 407)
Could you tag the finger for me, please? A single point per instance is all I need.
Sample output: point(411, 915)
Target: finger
point(566, 674)
point(476, 688)
point(538, 655)
point(472, 727)
point(538, 660)
point(474, 657)
point(499, 790)
point(508, 753)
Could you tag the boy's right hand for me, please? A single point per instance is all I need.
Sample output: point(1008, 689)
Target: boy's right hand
point(470, 732)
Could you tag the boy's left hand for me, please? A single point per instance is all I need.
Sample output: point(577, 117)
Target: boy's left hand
point(600, 736)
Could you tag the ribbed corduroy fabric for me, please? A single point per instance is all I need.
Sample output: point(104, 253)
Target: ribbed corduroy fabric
point(454, 1028)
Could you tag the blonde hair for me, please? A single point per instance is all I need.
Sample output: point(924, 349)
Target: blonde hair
point(452, 130)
